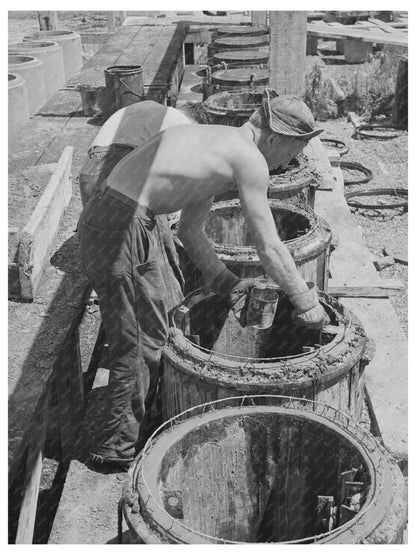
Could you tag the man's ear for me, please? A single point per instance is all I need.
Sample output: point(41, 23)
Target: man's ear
point(273, 139)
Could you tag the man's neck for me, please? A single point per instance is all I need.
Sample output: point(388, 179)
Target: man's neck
point(250, 132)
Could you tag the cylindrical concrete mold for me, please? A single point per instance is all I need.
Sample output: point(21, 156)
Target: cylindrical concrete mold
point(52, 58)
point(237, 78)
point(264, 470)
point(232, 107)
point(241, 77)
point(31, 69)
point(246, 30)
point(71, 48)
point(224, 43)
point(296, 183)
point(124, 85)
point(307, 236)
point(242, 57)
point(17, 101)
point(209, 356)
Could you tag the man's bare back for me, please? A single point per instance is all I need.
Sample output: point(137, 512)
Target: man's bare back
point(185, 165)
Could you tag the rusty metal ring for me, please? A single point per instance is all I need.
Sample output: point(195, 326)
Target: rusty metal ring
point(368, 174)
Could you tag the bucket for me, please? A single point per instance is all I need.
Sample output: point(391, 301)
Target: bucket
point(125, 86)
point(264, 469)
point(262, 305)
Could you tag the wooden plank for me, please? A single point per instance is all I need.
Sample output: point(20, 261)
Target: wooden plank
point(13, 244)
point(27, 516)
point(87, 492)
point(36, 332)
point(39, 233)
point(325, 31)
point(354, 119)
point(387, 27)
point(368, 291)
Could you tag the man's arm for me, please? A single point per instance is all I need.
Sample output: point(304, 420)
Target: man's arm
point(252, 177)
point(195, 241)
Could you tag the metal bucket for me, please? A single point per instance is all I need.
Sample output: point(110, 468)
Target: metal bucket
point(124, 85)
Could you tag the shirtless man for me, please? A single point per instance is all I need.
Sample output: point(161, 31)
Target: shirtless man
point(124, 131)
point(183, 168)
point(127, 129)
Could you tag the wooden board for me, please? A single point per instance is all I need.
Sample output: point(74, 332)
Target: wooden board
point(383, 290)
point(38, 235)
point(324, 30)
point(87, 512)
point(27, 517)
point(36, 332)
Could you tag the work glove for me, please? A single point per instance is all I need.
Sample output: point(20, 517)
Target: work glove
point(308, 313)
point(235, 291)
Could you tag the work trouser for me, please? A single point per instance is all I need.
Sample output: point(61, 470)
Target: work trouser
point(97, 167)
point(120, 253)
point(93, 175)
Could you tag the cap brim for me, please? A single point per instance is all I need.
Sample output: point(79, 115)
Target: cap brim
point(283, 128)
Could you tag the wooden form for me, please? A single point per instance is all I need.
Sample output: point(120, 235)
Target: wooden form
point(38, 235)
point(386, 375)
point(193, 17)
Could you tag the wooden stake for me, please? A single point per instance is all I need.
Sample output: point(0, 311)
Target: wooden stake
point(259, 18)
point(48, 21)
point(288, 52)
point(400, 104)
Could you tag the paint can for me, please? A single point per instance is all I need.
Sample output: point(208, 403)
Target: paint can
point(262, 305)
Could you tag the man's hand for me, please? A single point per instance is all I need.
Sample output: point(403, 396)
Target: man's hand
point(315, 318)
point(308, 311)
point(236, 291)
point(238, 299)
